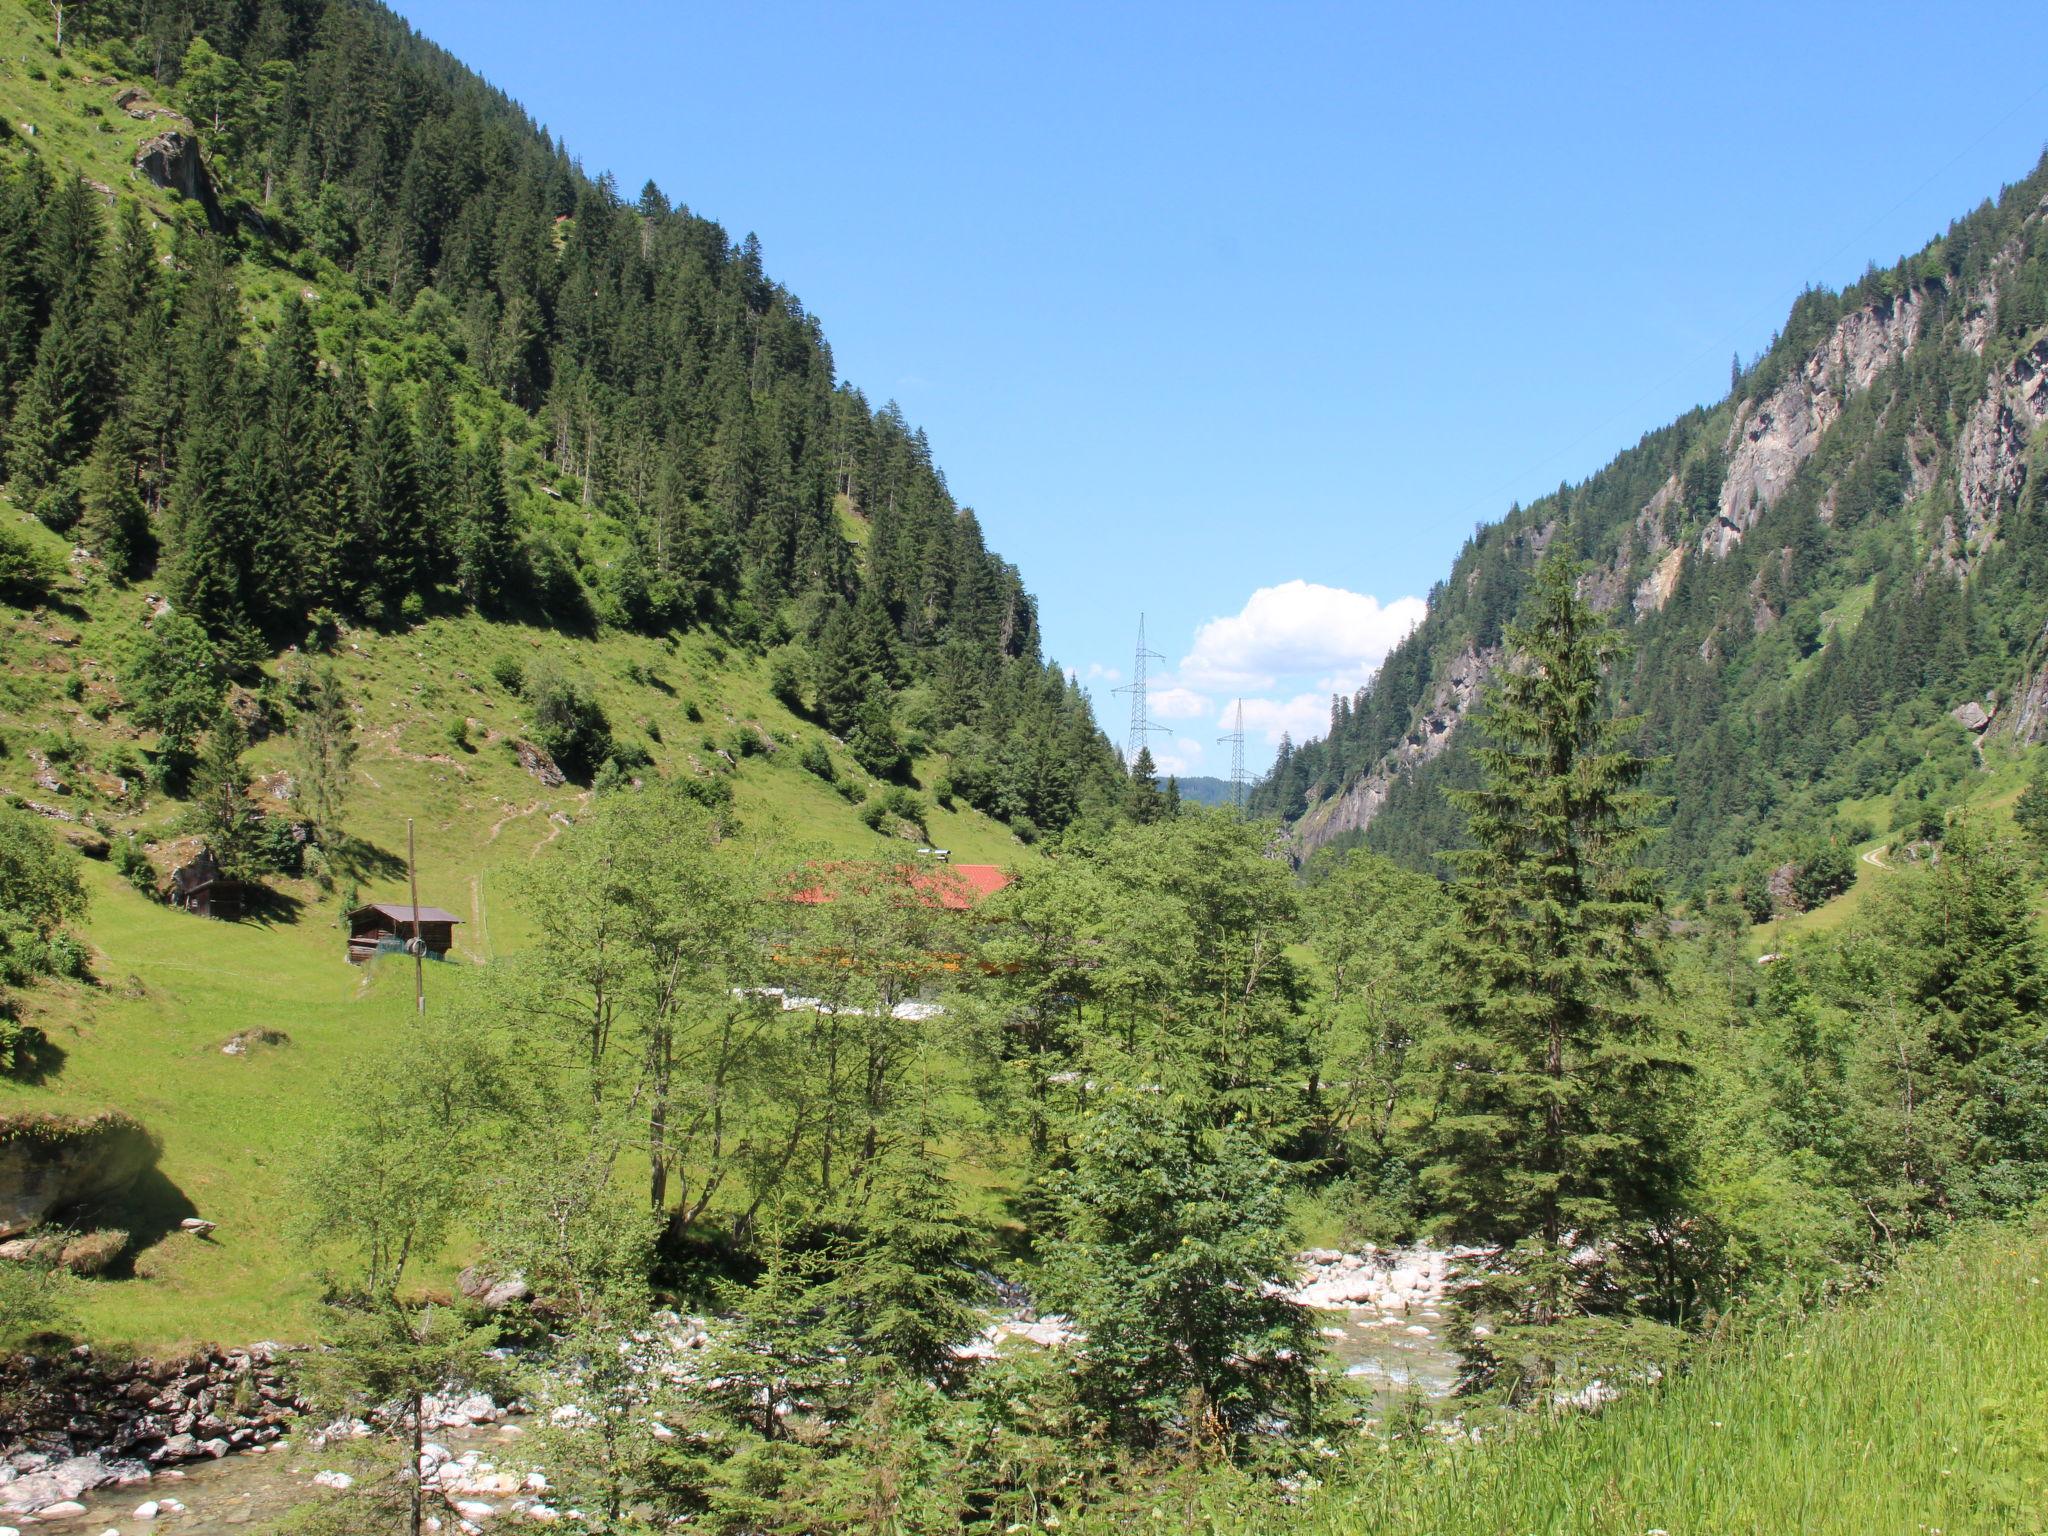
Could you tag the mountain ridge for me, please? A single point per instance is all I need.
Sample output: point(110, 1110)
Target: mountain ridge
point(1882, 455)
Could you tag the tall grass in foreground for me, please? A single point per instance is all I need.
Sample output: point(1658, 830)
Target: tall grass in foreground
point(1922, 1410)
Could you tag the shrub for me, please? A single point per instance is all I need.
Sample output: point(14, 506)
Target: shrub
point(26, 574)
point(871, 815)
point(814, 757)
point(786, 679)
point(21, 1046)
point(508, 674)
point(630, 756)
point(175, 678)
point(905, 805)
point(134, 866)
point(568, 721)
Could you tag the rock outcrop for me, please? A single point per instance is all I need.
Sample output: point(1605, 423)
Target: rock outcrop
point(1991, 455)
point(76, 1422)
point(1354, 809)
point(53, 1164)
point(171, 160)
point(1772, 437)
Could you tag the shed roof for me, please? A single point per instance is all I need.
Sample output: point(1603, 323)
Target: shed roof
point(401, 912)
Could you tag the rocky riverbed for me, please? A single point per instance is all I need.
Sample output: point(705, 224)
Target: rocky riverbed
point(201, 1445)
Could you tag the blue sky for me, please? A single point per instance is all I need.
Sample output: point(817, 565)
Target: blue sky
point(1244, 316)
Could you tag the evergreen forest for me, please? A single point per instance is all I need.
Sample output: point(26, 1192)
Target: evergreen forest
point(546, 876)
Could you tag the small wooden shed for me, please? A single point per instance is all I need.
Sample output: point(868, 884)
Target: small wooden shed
point(386, 927)
point(200, 888)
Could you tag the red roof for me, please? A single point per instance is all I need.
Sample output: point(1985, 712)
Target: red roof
point(955, 887)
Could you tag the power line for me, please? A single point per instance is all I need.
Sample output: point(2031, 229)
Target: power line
point(1141, 719)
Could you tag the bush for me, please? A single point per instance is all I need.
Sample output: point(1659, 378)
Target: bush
point(630, 755)
point(21, 1046)
point(872, 814)
point(133, 866)
point(277, 846)
point(905, 805)
point(26, 574)
point(815, 758)
point(568, 721)
point(508, 674)
point(175, 678)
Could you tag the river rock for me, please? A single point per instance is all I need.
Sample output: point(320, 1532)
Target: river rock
point(50, 1164)
point(58, 1483)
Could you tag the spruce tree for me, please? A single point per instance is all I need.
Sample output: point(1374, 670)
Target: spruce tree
point(384, 560)
point(1553, 1130)
point(220, 798)
point(907, 1287)
point(486, 542)
point(1142, 802)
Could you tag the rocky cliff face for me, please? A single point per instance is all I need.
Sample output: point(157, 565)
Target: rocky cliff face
point(1354, 809)
point(1772, 437)
point(1991, 455)
point(1956, 454)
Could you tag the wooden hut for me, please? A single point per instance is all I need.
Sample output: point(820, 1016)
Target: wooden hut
point(386, 927)
point(199, 887)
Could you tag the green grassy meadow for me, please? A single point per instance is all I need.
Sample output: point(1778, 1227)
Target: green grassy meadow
point(169, 989)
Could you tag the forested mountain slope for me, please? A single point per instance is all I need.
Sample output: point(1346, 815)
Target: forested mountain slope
point(308, 331)
point(1820, 575)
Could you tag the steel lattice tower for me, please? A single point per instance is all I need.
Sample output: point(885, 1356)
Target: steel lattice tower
point(1141, 720)
point(1235, 736)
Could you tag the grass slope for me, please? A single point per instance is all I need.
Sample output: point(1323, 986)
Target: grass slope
point(171, 989)
point(1917, 1412)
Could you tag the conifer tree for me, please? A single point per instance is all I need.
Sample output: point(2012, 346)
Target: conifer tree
point(908, 1283)
point(485, 540)
point(57, 414)
point(841, 677)
point(220, 797)
point(1553, 1130)
point(1142, 802)
point(385, 555)
point(114, 522)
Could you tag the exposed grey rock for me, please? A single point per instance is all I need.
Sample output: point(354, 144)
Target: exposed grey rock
point(1971, 716)
point(1354, 809)
point(1773, 436)
point(171, 160)
point(1991, 454)
point(536, 761)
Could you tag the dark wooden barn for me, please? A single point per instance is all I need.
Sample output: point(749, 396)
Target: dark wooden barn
point(384, 927)
point(200, 888)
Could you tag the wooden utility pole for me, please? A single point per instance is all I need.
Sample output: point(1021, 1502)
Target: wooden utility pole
point(416, 944)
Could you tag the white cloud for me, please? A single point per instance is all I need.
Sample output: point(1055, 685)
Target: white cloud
point(1098, 673)
point(1303, 716)
point(1182, 759)
point(1177, 703)
point(1299, 627)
